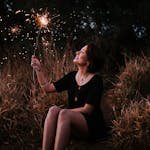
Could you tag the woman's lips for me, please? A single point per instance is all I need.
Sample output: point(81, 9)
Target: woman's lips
point(76, 58)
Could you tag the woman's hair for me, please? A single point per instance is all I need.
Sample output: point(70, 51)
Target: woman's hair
point(95, 58)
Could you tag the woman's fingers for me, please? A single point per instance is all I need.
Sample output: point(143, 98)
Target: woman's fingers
point(35, 63)
point(33, 56)
point(34, 60)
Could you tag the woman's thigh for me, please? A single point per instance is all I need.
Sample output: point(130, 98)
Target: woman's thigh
point(78, 122)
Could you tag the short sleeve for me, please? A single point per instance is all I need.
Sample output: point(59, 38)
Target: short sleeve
point(63, 83)
point(95, 92)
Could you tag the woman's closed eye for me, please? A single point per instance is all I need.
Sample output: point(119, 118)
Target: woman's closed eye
point(79, 52)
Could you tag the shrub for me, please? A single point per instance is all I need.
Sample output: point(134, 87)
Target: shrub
point(130, 106)
point(132, 85)
point(131, 130)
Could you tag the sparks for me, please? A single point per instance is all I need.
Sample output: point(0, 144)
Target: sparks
point(15, 29)
point(42, 20)
point(45, 42)
point(18, 11)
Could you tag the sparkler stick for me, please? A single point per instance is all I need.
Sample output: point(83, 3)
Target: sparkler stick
point(42, 22)
point(36, 48)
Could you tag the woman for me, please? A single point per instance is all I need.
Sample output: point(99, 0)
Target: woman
point(83, 117)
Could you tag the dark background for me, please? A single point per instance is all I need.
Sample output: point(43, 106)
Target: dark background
point(122, 26)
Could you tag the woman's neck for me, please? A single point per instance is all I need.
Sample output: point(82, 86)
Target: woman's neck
point(82, 71)
point(83, 76)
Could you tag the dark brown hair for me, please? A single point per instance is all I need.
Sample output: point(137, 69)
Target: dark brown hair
point(95, 58)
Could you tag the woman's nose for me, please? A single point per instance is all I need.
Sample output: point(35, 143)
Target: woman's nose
point(77, 52)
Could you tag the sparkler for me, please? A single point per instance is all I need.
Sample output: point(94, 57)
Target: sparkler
point(14, 31)
point(42, 21)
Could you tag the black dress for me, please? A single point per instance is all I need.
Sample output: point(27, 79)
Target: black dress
point(89, 93)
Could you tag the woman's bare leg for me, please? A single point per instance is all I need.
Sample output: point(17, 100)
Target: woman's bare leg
point(66, 120)
point(50, 128)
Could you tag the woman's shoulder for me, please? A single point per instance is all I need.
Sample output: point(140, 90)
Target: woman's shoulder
point(97, 81)
point(97, 77)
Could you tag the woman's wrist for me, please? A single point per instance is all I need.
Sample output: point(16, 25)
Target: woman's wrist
point(43, 85)
point(38, 69)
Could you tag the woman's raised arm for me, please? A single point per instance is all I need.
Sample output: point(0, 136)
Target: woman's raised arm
point(43, 81)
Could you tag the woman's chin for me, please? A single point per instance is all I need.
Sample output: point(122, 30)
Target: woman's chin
point(75, 61)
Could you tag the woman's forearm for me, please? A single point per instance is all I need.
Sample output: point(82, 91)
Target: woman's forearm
point(41, 78)
point(80, 109)
point(77, 109)
point(87, 109)
point(46, 85)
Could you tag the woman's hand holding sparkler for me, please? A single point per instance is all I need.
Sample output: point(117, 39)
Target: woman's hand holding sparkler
point(42, 21)
point(43, 81)
point(35, 63)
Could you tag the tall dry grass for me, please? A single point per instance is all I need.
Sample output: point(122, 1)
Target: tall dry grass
point(132, 84)
point(131, 130)
point(23, 105)
point(129, 100)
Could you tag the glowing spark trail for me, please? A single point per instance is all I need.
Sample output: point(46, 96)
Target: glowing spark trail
point(42, 21)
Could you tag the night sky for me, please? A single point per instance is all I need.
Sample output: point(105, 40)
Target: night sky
point(66, 18)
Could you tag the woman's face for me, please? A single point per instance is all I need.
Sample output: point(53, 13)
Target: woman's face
point(81, 57)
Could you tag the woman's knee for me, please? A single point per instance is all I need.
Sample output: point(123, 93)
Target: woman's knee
point(64, 115)
point(53, 111)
